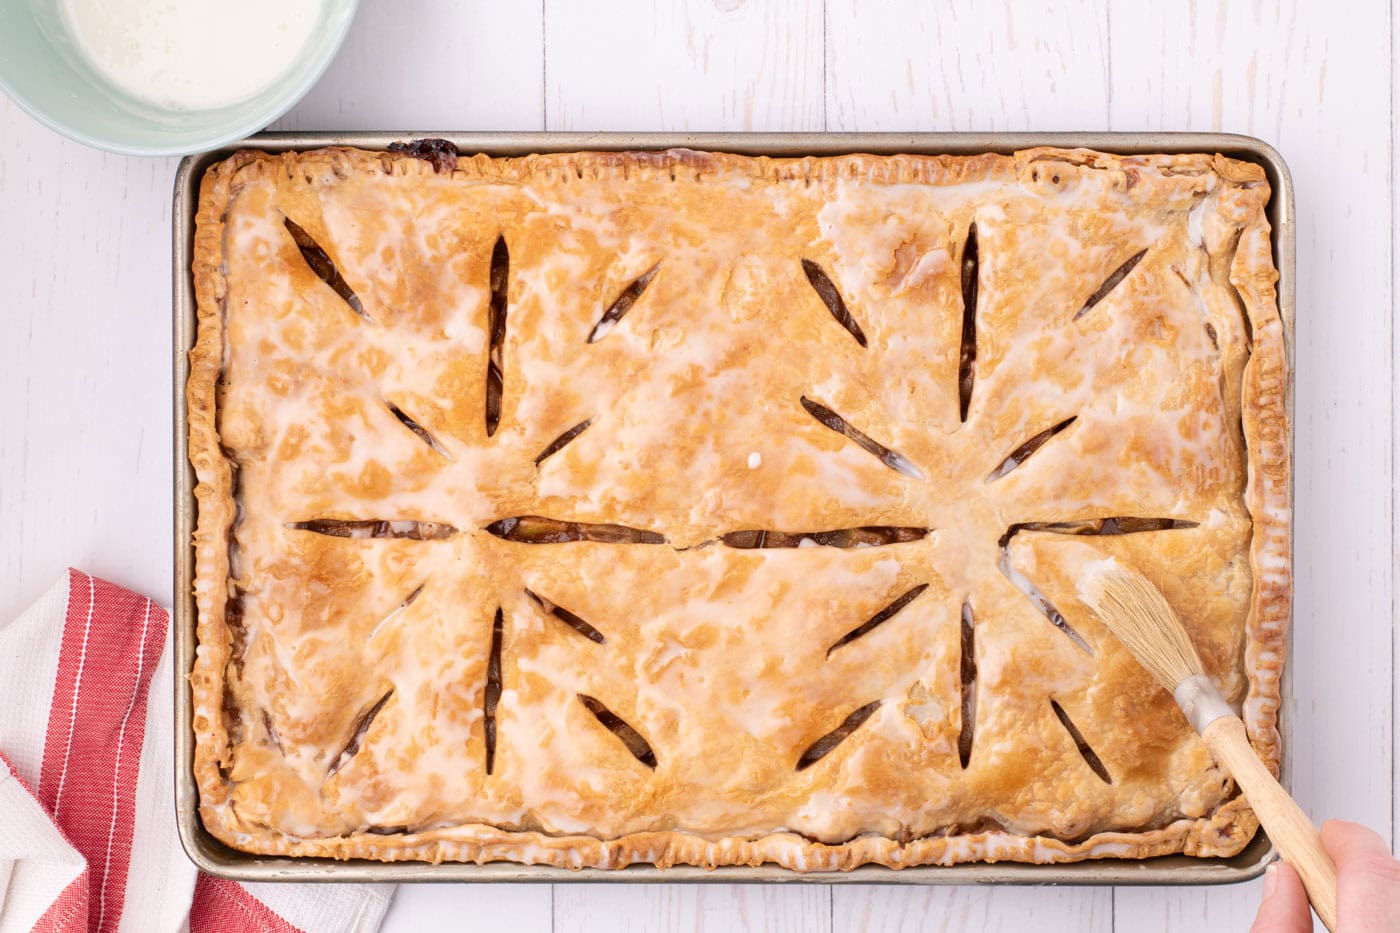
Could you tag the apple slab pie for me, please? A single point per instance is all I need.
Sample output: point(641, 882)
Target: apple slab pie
point(676, 507)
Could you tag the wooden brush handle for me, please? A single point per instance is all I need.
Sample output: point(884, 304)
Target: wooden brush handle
point(1285, 822)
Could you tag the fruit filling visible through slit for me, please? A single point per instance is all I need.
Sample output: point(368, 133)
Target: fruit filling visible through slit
point(1039, 600)
point(622, 304)
point(967, 669)
point(631, 738)
point(535, 529)
point(827, 743)
point(890, 458)
point(493, 689)
point(320, 262)
point(568, 618)
point(867, 536)
point(417, 429)
point(1023, 453)
point(831, 297)
point(376, 528)
point(967, 354)
point(562, 441)
point(1109, 284)
point(499, 280)
point(879, 618)
point(357, 734)
point(1091, 757)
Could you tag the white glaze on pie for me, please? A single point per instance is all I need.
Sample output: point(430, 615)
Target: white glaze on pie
point(722, 657)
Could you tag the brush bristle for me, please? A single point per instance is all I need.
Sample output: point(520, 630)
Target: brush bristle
point(1137, 613)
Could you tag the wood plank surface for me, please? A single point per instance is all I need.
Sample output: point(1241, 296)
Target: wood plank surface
point(85, 391)
point(425, 65)
point(686, 65)
point(967, 65)
point(691, 908)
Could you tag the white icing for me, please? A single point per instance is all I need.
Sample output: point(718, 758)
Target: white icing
point(1091, 577)
point(1195, 232)
point(678, 399)
point(191, 54)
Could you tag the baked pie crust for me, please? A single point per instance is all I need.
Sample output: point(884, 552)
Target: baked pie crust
point(686, 508)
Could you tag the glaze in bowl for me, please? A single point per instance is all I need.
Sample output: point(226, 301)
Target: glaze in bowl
point(43, 72)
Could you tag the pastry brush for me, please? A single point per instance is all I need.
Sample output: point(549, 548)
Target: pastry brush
point(1136, 612)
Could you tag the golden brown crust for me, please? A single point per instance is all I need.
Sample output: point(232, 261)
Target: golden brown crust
point(277, 691)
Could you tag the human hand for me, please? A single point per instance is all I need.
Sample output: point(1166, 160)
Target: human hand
point(1368, 886)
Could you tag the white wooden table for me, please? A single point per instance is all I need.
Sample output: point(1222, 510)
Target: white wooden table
point(85, 387)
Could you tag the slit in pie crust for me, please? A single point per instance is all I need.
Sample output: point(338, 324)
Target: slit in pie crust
point(687, 508)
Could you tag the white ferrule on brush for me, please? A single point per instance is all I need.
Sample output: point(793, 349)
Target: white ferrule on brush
point(1201, 701)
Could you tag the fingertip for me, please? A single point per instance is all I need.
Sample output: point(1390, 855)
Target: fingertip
point(1284, 908)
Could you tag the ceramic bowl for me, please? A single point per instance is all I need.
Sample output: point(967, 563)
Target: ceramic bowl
point(43, 72)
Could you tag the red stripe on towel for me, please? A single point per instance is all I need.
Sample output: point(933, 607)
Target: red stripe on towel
point(97, 721)
point(226, 907)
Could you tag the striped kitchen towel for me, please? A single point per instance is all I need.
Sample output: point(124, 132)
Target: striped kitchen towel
point(87, 810)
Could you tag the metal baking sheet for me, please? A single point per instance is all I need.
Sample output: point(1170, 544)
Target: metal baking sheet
point(214, 857)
